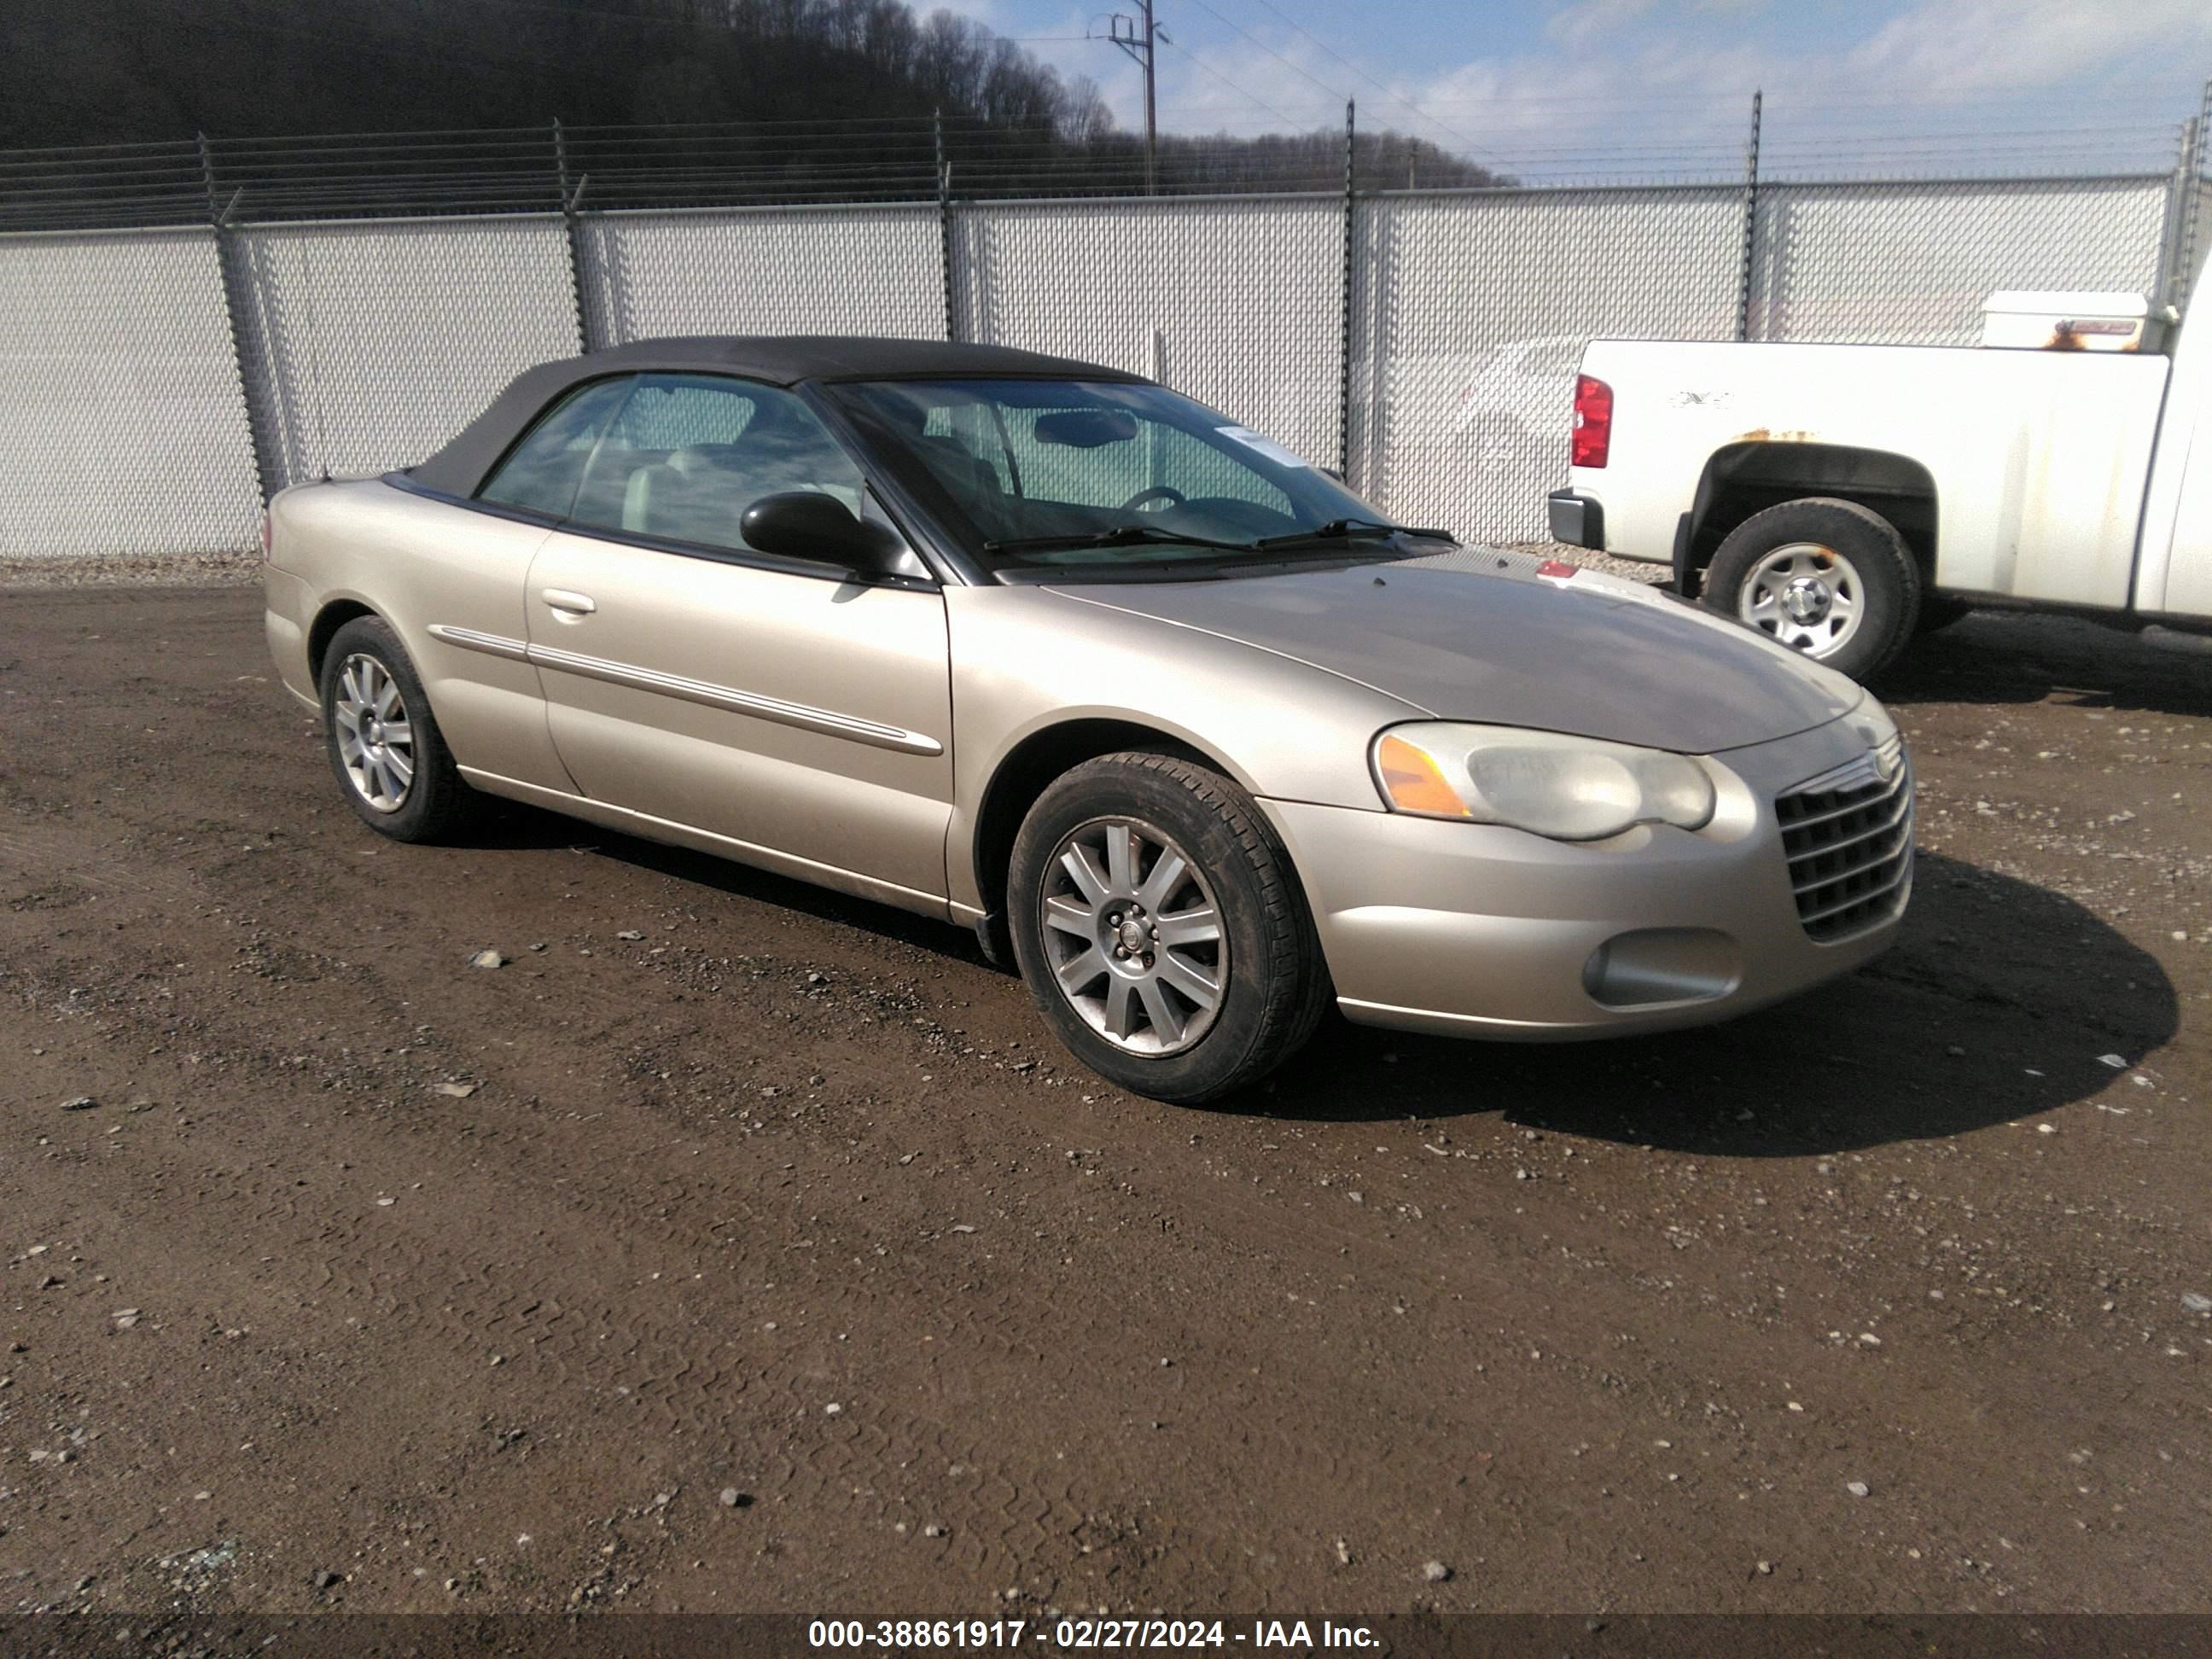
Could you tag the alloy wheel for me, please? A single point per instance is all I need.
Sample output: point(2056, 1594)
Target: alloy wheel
point(376, 738)
point(1134, 936)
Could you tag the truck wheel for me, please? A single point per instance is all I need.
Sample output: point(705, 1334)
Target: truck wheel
point(1822, 576)
point(1163, 934)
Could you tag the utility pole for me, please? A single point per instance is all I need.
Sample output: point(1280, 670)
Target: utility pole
point(1134, 36)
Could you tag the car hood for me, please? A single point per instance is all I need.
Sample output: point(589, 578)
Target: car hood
point(1510, 640)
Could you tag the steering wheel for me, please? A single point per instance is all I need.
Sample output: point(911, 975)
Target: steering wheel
point(1167, 492)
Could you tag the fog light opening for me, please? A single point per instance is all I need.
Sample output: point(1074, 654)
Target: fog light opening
point(1657, 967)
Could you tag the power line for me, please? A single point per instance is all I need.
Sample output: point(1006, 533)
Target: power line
point(1300, 71)
point(1270, 50)
point(1240, 91)
point(1402, 101)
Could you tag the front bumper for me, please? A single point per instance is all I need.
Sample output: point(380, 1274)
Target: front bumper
point(1472, 930)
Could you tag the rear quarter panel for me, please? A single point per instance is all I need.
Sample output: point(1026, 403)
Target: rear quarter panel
point(414, 561)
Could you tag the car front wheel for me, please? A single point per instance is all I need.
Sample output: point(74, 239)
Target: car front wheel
point(1161, 930)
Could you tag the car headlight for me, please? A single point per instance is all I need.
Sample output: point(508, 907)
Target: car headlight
point(1566, 788)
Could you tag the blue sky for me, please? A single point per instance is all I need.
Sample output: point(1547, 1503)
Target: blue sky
point(1547, 81)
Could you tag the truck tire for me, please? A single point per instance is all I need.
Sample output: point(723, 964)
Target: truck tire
point(1940, 610)
point(1824, 576)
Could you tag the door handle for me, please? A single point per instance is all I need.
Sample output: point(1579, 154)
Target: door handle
point(575, 604)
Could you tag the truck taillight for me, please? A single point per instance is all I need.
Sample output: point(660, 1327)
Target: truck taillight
point(1593, 421)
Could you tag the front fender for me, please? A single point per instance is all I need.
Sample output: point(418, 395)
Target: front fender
point(1026, 660)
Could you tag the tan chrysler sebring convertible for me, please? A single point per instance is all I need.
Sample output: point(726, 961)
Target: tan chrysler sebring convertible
point(1144, 697)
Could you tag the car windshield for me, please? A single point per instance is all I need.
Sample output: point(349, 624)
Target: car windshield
point(1070, 476)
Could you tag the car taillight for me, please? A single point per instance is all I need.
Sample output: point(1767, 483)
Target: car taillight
point(264, 532)
point(1593, 421)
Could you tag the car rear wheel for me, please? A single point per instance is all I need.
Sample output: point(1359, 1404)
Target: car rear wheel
point(1161, 930)
point(1825, 577)
point(391, 760)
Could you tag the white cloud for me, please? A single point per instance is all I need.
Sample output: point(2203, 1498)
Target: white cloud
point(1948, 51)
point(1662, 77)
point(1591, 22)
point(1623, 72)
point(1299, 81)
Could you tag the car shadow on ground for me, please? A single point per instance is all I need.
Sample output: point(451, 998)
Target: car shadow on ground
point(1999, 1003)
point(2005, 657)
point(512, 827)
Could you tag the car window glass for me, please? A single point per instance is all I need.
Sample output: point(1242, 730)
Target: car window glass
point(541, 473)
point(1019, 463)
point(688, 454)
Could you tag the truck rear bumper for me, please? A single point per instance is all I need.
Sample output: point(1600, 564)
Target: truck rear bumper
point(1577, 519)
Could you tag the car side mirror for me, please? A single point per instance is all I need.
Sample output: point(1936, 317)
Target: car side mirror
point(806, 524)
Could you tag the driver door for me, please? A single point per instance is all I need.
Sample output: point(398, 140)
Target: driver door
point(802, 718)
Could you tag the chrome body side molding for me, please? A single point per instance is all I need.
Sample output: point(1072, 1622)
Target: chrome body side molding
point(854, 727)
point(492, 645)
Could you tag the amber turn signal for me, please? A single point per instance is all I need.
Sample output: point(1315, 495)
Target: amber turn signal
point(1413, 784)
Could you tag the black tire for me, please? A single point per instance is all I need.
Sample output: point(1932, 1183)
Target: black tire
point(1888, 576)
point(1940, 610)
point(435, 802)
point(1277, 985)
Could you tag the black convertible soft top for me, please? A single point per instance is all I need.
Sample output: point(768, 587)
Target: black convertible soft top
point(459, 468)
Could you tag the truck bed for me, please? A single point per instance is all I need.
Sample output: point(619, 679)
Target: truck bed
point(2037, 459)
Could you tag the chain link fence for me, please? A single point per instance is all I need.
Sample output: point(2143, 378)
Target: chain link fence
point(764, 270)
point(123, 425)
point(1236, 302)
point(1911, 263)
point(365, 345)
point(1470, 315)
point(1424, 340)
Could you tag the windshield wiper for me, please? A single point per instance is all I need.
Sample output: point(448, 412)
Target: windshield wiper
point(1350, 530)
point(1128, 535)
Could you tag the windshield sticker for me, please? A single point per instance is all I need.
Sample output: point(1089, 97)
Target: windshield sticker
point(1265, 444)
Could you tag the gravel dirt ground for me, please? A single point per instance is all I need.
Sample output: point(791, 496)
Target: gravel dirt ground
point(736, 1246)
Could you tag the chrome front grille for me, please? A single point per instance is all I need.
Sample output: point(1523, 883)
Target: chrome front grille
point(1848, 835)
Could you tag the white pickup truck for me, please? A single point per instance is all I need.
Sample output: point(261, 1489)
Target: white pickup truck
point(1844, 498)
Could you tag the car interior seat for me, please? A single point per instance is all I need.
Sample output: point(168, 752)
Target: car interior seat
point(662, 498)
